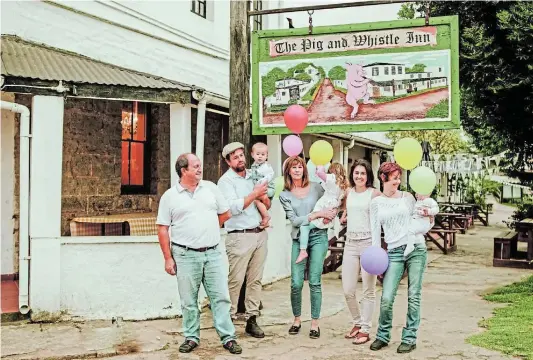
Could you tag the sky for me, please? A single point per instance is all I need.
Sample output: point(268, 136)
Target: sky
point(352, 15)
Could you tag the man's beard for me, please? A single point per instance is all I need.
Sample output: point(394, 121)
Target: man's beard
point(239, 168)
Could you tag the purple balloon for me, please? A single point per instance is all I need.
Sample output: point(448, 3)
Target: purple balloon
point(292, 145)
point(374, 260)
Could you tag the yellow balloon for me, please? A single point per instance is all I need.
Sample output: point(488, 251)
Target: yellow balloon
point(278, 186)
point(423, 180)
point(408, 153)
point(321, 152)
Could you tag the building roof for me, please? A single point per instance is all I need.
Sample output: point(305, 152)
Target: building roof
point(381, 63)
point(26, 59)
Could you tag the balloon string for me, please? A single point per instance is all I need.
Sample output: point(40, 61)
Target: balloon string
point(303, 147)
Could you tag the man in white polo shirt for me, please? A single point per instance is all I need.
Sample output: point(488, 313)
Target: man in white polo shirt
point(194, 210)
point(246, 243)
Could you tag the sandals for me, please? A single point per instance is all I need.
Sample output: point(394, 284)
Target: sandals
point(295, 329)
point(361, 338)
point(187, 346)
point(353, 332)
point(314, 334)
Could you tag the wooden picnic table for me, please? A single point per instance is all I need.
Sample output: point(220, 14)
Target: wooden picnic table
point(525, 234)
point(474, 210)
point(445, 231)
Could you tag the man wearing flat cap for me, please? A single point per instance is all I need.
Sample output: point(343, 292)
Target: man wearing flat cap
point(246, 243)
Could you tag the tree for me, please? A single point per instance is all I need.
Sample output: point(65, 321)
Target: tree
point(496, 74)
point(299, 68)
point(416, 68)
point(268, 82)
point(322, 72)
point(337, 73)
point(407, 11)
point(442, 141)
point(303, 77)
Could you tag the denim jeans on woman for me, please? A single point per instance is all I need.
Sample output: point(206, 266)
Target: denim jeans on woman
point(415, 265)
point(317, 249)
point(207, 268)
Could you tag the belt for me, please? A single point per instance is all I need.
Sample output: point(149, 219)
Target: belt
point(203, 249)
point(254, 230)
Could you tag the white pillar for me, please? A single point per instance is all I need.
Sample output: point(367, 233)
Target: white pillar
point(180, 135)
point(200, 129)
point(46, 167)
point(375, 167)
point(338, 151)
point(275, 153)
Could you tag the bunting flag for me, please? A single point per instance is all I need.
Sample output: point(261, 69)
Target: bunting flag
point(464, 163)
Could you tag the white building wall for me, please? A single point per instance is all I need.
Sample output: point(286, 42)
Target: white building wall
point(7, 185)
point(163, 38)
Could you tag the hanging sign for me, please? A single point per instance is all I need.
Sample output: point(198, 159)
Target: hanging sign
point(399, 75)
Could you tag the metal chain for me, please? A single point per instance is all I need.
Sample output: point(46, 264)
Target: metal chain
point(427, 13)
point(310, 12)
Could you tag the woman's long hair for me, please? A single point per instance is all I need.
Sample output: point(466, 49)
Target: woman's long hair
point(289, 163)
point(368, 169)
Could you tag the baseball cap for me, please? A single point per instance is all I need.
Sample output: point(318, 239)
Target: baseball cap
point(231, 147)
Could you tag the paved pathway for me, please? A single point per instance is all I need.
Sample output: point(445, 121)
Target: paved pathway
point(452, 308)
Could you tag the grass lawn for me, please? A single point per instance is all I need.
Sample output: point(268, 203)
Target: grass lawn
point(510, 330)
point(438, 111)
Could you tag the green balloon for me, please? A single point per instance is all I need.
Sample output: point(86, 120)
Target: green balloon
point(278, 182)
point(423, 180)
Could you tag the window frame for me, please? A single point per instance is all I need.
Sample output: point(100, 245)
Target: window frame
point(196, 8)
point(257, 20)
point(143, 189)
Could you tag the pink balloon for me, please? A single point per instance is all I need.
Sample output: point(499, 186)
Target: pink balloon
point(296, 118)
point(292, 145)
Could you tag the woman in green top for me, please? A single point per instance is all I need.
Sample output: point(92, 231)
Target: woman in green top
point(298, 200)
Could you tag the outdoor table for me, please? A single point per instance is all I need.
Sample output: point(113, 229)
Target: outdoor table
point(134, 224)
point(525, 233)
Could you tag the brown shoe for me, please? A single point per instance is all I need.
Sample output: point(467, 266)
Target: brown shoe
point(352, 332)
point(361, 338)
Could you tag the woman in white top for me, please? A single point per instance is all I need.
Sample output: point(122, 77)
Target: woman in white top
point(358, 238)
point(393, 211)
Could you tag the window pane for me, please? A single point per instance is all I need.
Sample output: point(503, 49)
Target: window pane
point(193, 5)
point(202, 9)
point(125, 179)
point(127, 114)
point(139, 121)
point(137, 164)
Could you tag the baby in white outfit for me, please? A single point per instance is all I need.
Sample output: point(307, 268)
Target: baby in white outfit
point(334, 184)
point(420, 221)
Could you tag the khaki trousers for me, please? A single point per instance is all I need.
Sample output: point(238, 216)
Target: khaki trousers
point(351, 266)
point(247, 254)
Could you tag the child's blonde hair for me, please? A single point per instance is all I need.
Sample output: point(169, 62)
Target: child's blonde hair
point(340, 175)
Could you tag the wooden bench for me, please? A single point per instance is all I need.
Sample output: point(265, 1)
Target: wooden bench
point(462, 223)
point(448, 238)
point(506, 252)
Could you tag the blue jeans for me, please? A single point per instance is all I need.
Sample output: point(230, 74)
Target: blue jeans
point(416, 265)
point(207, 268)
point(317, 249)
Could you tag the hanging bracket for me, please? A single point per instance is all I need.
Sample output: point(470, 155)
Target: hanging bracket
point(310, 12)
point(427, 13)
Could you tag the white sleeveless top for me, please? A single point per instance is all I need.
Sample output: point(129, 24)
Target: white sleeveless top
point(358, 210)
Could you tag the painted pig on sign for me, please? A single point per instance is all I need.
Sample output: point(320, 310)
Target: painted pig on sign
point(357, 84)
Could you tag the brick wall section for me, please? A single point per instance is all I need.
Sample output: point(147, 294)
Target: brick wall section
point(92, 160)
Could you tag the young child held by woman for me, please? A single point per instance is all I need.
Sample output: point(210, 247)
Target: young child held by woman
point(421, 223)
point(262, 172)
point(335, 184)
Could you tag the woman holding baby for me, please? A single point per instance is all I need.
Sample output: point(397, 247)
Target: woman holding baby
point(299, 199)
point(394, 211)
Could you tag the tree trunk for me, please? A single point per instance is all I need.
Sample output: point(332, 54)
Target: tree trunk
point(239, 104)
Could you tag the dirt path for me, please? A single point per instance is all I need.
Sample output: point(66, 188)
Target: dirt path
point(330, 106)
